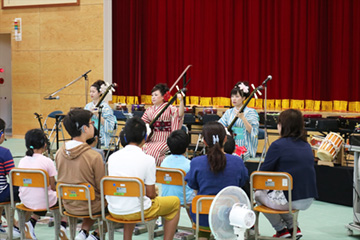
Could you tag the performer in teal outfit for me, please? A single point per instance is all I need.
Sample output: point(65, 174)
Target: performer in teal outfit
point(108, 120)
point(246, 128)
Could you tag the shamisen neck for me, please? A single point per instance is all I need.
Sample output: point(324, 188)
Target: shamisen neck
point(237, 108)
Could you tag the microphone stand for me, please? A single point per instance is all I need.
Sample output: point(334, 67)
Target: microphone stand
point(262, 157)
point(51, 95)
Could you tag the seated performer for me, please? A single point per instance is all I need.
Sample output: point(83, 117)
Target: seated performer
point(108, 119)
point(246, 128)
point(291, 153)
point(171, 119)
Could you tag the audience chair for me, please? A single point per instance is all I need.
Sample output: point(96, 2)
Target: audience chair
point(9, 214)
point(201, 205)
point(39, 178)
point(78, 192)
point(282, 181)
point(173, 176)
point(124, 187)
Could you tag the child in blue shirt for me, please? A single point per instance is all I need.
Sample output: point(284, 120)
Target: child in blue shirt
point(178, 141)
point(6, 164)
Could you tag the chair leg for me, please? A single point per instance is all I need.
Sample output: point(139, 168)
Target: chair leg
point(21, 220)
point(57, 220)
point(256, 226)
point(111, 230)
point(295, 217)
point(9, 213)
point(151, 227)
point(160, 232)
point(72, 226)
point(101, 229)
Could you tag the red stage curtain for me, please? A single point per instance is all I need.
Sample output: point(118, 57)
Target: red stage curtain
point(310, 47)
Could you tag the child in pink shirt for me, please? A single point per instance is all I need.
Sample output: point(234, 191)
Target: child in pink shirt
point(36, 143)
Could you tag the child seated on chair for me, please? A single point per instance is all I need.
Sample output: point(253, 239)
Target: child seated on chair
point(291, 153)
point(78, 163)
point(212, 172)
point(229, 145)
point(178, 141)
point(36, 143)
point(131, 161)
point(7, 163)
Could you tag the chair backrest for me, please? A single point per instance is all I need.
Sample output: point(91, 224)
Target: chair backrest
point(262, 180)
point(120, 115)
point(122, 187)
point(29, 177)
point(77, 192)
point(201, 205)
point(172, 176)
point(271, 180)
point(185, 128)
point(210, 118)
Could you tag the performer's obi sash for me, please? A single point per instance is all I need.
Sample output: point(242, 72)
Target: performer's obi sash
point(163, 126)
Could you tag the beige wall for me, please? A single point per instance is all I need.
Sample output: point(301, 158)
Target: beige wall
point(58, 45)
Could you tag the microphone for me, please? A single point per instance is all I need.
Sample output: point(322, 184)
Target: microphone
point(52, 98)
point(86, 73)
point(267, 79)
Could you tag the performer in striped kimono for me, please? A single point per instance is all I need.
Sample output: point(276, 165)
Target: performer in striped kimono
point(246, 128)
point(170, 120)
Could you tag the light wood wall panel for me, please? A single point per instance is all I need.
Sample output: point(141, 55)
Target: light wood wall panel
point(59, 45)
point(24, 106)
point(59, 68)
point(75, 28)
point(26, 71)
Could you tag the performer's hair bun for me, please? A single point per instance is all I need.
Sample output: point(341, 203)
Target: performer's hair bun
point(162, 87)
point(242, 88)
point(98, 84)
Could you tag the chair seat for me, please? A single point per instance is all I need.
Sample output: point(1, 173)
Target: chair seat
point(265, 209)
point(24, 208)
point(110, 218)
point(81, 216)
point(4, 203)
point(201, 228)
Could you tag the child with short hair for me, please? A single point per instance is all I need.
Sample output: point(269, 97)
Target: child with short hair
point(36, 143)
point(229, 146)
point(131, 161)
point(78, 163)
point(178, 141)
